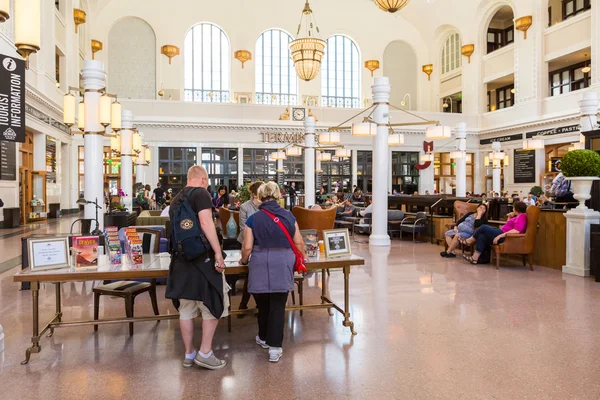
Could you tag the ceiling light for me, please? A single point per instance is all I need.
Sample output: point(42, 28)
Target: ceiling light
point(324, 156)
point(391, 6)
point(364, 129)
point(278, 155)
point(4, 10)
point(343, 153)
point(533, 144)
point(455, 155)
point(438, 132)
point(293, 151)
point(395, 139)
point(308, 51)
point(428, 157)
point(586, 69)
point(27, 28)
point(69, 109)
point(331, 137)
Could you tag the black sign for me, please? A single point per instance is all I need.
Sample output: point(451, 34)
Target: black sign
point(554, 131)
point(556, 164)
point(508, 138)
point(8, 161)
point(12, 99)
point(524, 166)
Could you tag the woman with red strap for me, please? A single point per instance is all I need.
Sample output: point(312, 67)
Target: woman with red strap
point(273, 239)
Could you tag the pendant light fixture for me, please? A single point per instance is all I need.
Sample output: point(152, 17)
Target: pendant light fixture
point(391, 6)
point(27, 28)
point(331, 137)
point(586, 69)
point(308, 50)
point(4, 10)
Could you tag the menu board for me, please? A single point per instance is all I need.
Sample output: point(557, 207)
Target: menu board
point(524, 169)
point(8, 161)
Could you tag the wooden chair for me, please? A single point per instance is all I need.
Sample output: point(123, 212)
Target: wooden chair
point(129, 290)
point(315, 219)
point(522, 244)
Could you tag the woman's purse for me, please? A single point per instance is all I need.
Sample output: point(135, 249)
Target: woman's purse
point(299, 266)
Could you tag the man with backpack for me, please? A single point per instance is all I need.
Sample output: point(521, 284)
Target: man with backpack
point(561, 190)
point(196, 280)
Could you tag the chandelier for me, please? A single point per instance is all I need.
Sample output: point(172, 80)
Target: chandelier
point(391, 6)
point(307, 51)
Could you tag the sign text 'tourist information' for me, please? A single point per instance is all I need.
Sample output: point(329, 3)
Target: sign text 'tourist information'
point(12, 99)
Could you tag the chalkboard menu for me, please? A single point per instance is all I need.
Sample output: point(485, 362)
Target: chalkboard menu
point(524, 166)
point(8, 161)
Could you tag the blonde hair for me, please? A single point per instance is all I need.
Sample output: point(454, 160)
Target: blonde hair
point(269, 191)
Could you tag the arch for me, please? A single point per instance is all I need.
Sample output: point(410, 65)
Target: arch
point(276, 80)
point(132, 63)
point(340, 73)
point(400, 65)
point(207, 64)
point(487, 15)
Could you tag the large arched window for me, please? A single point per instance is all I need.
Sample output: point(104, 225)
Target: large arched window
point(340, 73)
point(207, 64)
point(451, 53)
point(276, 80)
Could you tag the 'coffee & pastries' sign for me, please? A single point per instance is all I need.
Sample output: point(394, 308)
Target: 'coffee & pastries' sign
point(12, 99)
point(554, 131)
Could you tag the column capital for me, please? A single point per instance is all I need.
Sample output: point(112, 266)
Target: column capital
point(461, 130)
point(94, 76)
point(126, 119)
point(588, 105)
point(309, 126)
point(381, 89)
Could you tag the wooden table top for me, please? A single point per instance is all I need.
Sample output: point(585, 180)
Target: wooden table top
point(157, 266)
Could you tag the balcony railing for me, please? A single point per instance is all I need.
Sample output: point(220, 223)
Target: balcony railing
point(207, 96)
point(276, 99)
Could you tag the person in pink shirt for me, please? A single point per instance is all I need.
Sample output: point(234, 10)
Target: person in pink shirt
point(486, 236)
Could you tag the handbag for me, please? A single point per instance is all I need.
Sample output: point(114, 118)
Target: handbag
point(299, 266)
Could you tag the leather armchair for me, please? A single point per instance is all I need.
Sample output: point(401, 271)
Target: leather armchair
point(522, 244)
point(315, 219)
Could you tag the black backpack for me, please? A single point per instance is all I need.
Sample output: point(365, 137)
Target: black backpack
point(187, 238)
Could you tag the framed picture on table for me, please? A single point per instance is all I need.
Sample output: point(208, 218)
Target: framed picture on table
point(48, 253)
point(337, 243)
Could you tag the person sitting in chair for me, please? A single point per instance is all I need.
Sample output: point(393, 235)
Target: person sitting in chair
point(465, 227)
point(486, 236)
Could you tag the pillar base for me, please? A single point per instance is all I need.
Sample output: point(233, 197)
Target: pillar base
point(379, 240)
point(578, 241)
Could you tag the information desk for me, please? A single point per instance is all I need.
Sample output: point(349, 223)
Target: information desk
point(157, 266)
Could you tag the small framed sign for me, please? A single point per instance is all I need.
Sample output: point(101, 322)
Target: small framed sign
point(48, 253)
point(337, 243)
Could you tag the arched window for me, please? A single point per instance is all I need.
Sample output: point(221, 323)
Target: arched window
point(451, 53)
point(276, 80)
point(207, 64)
point(340, 73)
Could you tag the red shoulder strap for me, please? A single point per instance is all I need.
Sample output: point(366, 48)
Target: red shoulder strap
point(283, 228)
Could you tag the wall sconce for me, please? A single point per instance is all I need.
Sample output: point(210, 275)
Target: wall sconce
point(467, 50)
point(170, 51)
point(404, 102)
point(4, 10)
point(428, 69)
point(372, 65)
point(242, 56)
point(79, 18)
point(27, 28)
point(96, 46)
point(523, 24)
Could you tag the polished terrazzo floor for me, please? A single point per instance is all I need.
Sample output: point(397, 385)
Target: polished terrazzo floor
point(428, 328)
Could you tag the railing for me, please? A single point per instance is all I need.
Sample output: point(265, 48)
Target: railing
point(340, 102)
point(276, 99)
point(207, 96)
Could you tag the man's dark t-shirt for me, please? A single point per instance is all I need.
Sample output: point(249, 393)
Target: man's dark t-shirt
point(196, 279)
point(159, 193)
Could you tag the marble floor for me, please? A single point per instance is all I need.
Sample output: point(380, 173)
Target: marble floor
point(428, 328)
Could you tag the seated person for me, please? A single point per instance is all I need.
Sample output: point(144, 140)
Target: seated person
point(357, 197)
point(543, 201)
point(340, 196)
point(530, 201)
point(346, 209)
point(486, 236)
point(394, 192)
point(321, 196)
point(484, 198)
point(465, 228)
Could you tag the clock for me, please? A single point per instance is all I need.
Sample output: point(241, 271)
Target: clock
point(298, 114)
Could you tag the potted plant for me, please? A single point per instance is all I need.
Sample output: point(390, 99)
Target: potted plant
point(582, 168)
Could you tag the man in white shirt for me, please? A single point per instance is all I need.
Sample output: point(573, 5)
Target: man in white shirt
point(529, 200)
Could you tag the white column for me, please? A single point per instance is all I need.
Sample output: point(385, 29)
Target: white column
point(354, 161)
point(126, 162)
point(94, 78)
point(588, 106)
point(381, 116)
point(496, 172)
point(240, 160)
point(390, 170)
point(480, 172)
point(426, 179)
point(140, 174)
point(461, 163)
point(309, 162)
point(280, 166)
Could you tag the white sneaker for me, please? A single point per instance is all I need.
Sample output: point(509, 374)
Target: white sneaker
point(275, 353)
point(261, 343)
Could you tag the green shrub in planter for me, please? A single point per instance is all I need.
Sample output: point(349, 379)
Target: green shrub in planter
point(537, 191)
point(578, 163)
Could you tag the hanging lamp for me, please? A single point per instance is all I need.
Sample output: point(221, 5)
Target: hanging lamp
point(307, 51)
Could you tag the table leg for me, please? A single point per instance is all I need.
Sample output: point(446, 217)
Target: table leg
point(347, 321)
point(324, 289)
point(58, 307)
point(35, 339)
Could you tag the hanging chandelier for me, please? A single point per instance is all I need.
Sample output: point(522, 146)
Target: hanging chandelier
point(391, 6)
point(307, 51)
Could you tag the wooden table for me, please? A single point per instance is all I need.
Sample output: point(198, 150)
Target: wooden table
point(157, 266)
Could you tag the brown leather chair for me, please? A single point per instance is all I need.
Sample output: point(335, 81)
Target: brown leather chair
point(521, 243)
point(224, 215)
point(315, 219)
point(461, 208)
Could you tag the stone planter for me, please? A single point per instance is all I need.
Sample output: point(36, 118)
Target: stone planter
point(582, 187)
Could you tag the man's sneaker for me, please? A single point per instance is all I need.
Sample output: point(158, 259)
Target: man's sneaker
point(211, 362)
point(261, 343)
point(275, 353)
point(188, 362)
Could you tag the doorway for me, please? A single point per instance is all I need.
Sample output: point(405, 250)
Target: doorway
point(25, 179)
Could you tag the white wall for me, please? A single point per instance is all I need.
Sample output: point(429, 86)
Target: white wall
point(400, 65)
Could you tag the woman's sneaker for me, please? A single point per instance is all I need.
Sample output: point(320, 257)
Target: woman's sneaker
point(275, 353)
point(211, 362)
point(261, 343)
